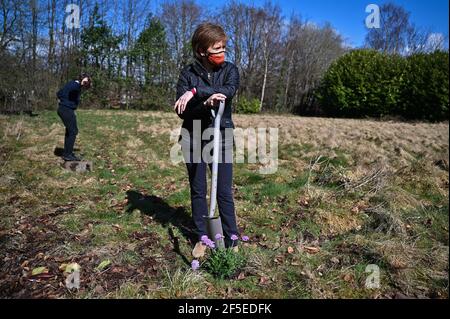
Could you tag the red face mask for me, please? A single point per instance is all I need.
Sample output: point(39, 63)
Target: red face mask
point(217, 59)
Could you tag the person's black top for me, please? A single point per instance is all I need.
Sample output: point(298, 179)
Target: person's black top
point(225, 80)
point(69, 95)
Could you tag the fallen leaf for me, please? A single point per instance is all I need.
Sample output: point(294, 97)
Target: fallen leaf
point(84, 233)
point(398, 264)
point(347, 277)
point(241, 276)
point(290, 250)
point(117, 270)
point(38, 271)
point(335, 260)
point(69, 268)
point(39, 255)
point(99, 289)
point(303, 202)
point(117, 227)
point(311, 250)
point(103, 264)
point(307, 274)
point(263, 280)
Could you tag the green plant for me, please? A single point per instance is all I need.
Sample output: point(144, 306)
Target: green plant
point(247, 106)
point(223, 263)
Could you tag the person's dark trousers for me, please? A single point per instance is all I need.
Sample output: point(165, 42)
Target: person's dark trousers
point(69, 119)
point(197, 180)
point(198, 186)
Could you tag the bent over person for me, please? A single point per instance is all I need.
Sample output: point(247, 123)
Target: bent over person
point(69, 99)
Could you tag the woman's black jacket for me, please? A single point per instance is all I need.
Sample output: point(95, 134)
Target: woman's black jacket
point(225, 80)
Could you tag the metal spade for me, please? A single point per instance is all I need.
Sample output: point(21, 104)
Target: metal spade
point(214, 223)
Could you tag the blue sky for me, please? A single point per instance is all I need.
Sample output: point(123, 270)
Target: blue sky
point(347, 16)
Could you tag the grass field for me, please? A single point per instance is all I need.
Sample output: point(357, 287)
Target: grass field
point(347, 194)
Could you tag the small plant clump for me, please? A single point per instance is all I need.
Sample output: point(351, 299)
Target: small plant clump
point(222, 263)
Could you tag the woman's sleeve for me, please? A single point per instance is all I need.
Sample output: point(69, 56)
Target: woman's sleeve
point(64, 95)
point(195, 107)
point(229, 87)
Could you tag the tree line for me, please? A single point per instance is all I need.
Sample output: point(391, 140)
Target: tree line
point(134, 51)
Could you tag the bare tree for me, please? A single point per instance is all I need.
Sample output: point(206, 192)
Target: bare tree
point(10, 16)
point(313, 49)
point(134, 14)
point(232, 20)
point(421, 40)
point(271, 34)
point(51, 17)
point(396, 34)
point(251, 44)
point(394, 25)
point(34, 32)
point(180, 19)
point(294, 29)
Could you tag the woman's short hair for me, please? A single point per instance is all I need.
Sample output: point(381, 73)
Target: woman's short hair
point(205, 36)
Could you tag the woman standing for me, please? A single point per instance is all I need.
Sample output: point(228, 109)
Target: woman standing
point(202, 85)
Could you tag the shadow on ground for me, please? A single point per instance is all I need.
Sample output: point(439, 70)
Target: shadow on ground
point(166, 215)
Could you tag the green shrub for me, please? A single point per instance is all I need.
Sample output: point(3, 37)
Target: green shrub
point(369, 83)
point(363, 83)
point(426, 89)
point(247, 106)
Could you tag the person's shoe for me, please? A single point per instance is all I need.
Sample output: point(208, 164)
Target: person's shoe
point(71, 158)
point(199, 250)
point(78, 158)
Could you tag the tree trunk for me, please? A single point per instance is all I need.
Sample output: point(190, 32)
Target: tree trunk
point(263, 90)
point(51, 33)
point(266, 67)
point(288, 79)
point(34, 33)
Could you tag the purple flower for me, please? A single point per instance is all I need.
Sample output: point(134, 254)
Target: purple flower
point(245, 238)
point(219, 236)
point(204, 239)
point(210, 244)
point(234, 237)
point(195, 264)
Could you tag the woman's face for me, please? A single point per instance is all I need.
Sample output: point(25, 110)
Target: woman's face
point(218, 47)
point(215, 55)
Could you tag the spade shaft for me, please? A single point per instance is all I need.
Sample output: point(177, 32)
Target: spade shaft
point(214, 224)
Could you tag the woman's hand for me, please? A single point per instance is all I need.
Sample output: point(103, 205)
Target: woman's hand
point(215, 99)
point(180, 105)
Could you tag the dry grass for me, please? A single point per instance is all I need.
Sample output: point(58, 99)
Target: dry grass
point(347, 193)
